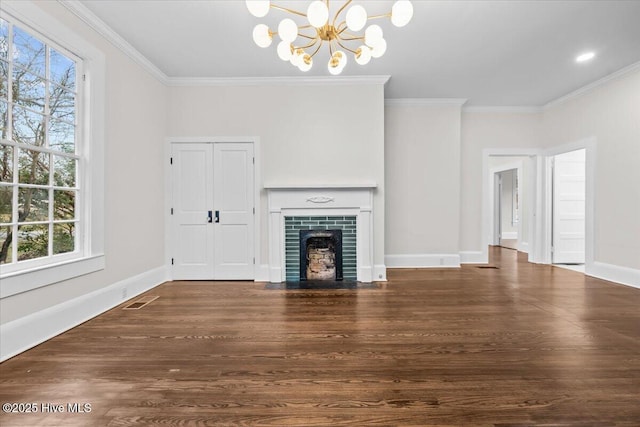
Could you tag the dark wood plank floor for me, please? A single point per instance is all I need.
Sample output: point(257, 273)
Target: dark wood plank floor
point(519, 345)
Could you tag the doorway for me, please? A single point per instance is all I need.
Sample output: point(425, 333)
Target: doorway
point(509, 204)
point(568, 208)
point(507, 209)
point(212, 211)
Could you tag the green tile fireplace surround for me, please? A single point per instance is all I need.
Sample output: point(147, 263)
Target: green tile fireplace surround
point(293, 225)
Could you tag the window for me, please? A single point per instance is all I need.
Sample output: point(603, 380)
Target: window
point(38, 160)
point(51, 151)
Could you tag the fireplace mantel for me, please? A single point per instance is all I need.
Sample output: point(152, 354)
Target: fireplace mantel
point(282, 186)
point(349, 199)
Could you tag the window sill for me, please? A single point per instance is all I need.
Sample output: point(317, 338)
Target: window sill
point(23, 281)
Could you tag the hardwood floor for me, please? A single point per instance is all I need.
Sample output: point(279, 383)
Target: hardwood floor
point(519, 345)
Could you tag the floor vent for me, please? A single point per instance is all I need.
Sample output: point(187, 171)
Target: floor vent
point(138, 304)
point(489, 266)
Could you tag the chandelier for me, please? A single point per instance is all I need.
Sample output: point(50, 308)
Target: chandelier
point(339, 34)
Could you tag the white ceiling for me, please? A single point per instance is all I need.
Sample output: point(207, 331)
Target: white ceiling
point(494, 53)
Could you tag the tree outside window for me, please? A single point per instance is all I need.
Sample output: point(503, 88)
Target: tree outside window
point(38, 160)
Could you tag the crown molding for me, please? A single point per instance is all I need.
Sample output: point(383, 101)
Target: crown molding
point(591, 86)
point(98, 25)
point(424, 102)
point(277, 81)
point(502, 109)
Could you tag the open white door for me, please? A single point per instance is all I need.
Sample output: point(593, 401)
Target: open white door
point(569, 193)
point(213, 211)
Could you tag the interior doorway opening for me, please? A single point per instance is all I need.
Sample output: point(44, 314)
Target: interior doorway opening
point(510, 204)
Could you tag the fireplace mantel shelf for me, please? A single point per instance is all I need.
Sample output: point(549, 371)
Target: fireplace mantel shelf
point(319, 186)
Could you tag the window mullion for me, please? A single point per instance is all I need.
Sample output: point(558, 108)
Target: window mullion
point(16, 166)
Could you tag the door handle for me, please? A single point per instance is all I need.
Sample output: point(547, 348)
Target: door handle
point(209, 216)
point(217, 217)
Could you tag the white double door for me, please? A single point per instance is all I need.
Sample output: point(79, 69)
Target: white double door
point(212, 211)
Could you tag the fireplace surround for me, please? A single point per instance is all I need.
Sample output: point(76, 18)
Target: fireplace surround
point(331, 201)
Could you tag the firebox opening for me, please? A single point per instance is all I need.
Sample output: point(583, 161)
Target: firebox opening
point(320, 254)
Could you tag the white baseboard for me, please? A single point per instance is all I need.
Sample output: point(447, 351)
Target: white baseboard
point(614, 273)
point(523, 247)
point(262, 273)
point(275, 274)
point(22, 334)
point(474, 257)
point(379, 273)
point(510, 235)
point(423, 261)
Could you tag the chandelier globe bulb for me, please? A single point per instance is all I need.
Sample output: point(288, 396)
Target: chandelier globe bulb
point(372, 35)
point(356, 18)
point(379, 48)
point(288, 30)
point(363, 55)
point(284, 50)
point(258, 8)
point(261, 35)
point(306, 63)
point(318, 14)
point(401, 13)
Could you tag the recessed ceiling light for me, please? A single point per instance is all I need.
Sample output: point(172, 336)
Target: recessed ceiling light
point(587, 56)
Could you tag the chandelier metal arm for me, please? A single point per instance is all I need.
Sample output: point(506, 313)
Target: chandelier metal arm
point(317, 49)
point(308, 45)
point(308, 37)
point(295, 12)
point(385, 15)
point(344, 6)
point(352, 38)
point(346, 48)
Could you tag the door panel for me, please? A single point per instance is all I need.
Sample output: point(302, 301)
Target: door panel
point(569, 193)
point(233, 170)
point(192, 199)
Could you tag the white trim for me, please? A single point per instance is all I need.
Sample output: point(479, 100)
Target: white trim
point(423, 261)
point(26, 332)
point(262, 273)
point(519, 167)
point(380, 272)
point(591, 86)
point(92, 128)
point(98, 25)
point(473, 257)
point(510, 235)
point(424, 102)
point(302, 186)
point(487, 196)
point(614, 273)
point(278, 81)
point(21, 281)
point(258, 268)
point(502, 109)
point(356, 202)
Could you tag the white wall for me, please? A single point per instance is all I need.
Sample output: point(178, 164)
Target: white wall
point(135, 129)
point(481, 131)
point(329, 134)
point(611, 114)
point(422, 162)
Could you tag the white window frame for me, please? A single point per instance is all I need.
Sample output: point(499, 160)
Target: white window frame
point(90, 131)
